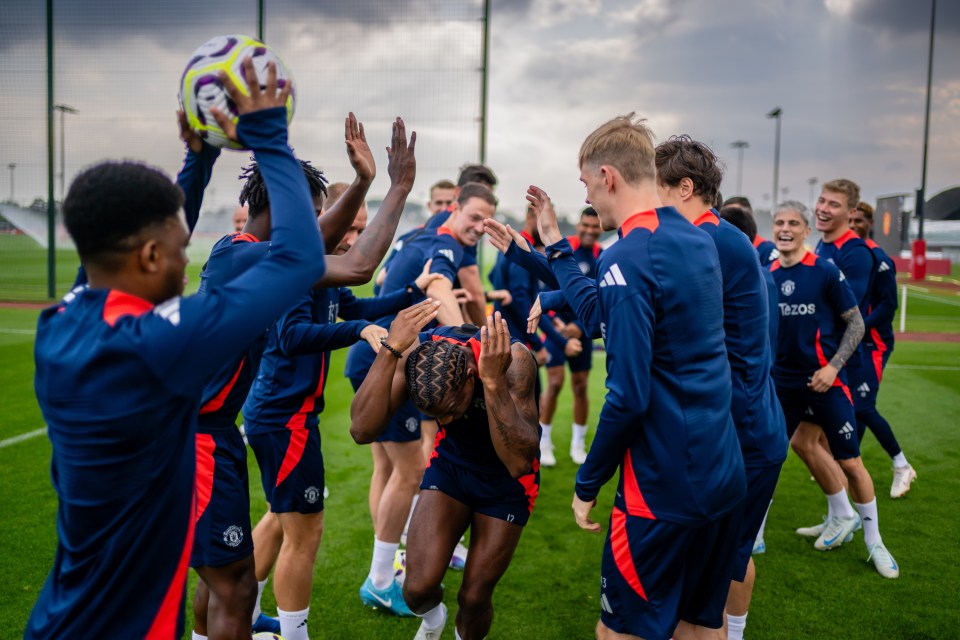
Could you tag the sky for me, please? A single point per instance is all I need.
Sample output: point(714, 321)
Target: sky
point(849, 76)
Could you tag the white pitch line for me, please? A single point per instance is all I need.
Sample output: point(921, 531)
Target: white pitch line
point(23, 436)
point(19, 332)
point(923, 367)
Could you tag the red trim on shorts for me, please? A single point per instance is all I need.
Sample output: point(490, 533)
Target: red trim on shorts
point(877, 356)
point(620, 546)
point(636, 505)
point(119, 304)
point(441, 434)
point(648, 220)
point(205, 468)
point(165, 623)
point(217, 402)
point(530, 485)
point(708, 217)
point(297, 426)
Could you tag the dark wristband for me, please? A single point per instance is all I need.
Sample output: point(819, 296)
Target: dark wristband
point(383, 342)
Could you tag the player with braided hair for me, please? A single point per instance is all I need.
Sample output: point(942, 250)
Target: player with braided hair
point(485, 469)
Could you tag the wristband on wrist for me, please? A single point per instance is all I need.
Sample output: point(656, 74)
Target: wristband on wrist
point(383, 342)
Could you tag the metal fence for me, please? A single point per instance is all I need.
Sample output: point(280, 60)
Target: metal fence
point(88, 81)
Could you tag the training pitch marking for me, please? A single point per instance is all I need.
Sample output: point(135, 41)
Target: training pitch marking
point(23, 436)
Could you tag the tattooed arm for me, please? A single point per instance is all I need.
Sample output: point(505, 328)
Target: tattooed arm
point(508, 373)
point(823, 379)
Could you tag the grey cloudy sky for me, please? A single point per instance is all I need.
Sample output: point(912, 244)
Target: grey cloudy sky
point(849, 75)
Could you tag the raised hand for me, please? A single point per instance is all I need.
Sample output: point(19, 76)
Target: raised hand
point(546, 215)
point(358, 151)
point(503, 296)
point(501, 235)
point(409, 323)
point(190, 137)
point(495, 354)
point(425, 278)
point(402, 163)
point(272, 96)
point(533, 320)
point(372, 334)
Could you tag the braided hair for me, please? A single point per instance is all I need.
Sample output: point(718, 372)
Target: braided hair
point(254, 191)
point(434, 370)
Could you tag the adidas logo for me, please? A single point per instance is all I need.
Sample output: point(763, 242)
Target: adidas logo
point(613, 277)
point(169, 311)
point(773, 255)
point(883, 267)
point(446, 253)
point(842, 277)
point(864, 389)
point(605, 604)
point(846, 430)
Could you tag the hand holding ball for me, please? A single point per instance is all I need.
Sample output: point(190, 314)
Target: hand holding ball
point(201, 88)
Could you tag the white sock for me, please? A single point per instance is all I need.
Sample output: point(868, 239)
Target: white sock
point(196, 636)
point(579, 433)
point(293, 624)
point(256, 607)
point(545, 436)
point(456, 634)
point(413, 505)
point(381, 567)
point(900, 460)
point(434, 618)
point(763, 525)
point(871, 524)
point(838, 505)
point(735, 626)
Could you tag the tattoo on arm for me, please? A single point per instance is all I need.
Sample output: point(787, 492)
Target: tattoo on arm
point(851, 337)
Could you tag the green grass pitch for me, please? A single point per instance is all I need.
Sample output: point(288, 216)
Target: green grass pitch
point(551, 589)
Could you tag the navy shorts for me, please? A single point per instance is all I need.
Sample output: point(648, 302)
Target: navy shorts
point(581, 362)
point(404, 426)
point(831, 411)
point(865, 377)
point(656, 573)
point(223, 500)
point(494, 493)
point(761, 484)
point(291, 469)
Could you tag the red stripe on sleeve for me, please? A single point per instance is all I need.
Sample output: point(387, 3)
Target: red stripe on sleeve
point(164, 624)
point(621, 551)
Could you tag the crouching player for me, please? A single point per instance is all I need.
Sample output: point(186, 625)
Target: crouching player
point(820, 327)
point(484, 471)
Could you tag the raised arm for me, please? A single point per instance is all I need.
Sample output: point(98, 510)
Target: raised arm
point(197, 170)
point(336, 221)
point(358, 264)
point(516, 249)
point(581, 293)
point(197, 334)
point(354, 308)
point(508, 373)
point(385, 389)
point(300, 335)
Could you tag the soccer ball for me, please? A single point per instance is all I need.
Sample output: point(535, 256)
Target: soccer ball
point(200, 88)
point(400, 565)
point(266, 635)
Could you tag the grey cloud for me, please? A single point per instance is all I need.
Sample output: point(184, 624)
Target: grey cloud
point(901, 17)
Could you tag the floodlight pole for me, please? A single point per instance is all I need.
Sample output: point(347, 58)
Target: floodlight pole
point(51, 205)
point(260, 20)
point(922, 194)
point(484, 81)
point(63, 109)
point(740, 145)
point(11, 166)
point(775, 114)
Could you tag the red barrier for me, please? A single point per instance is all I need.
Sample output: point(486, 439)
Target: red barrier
point(919, 255)
point(935, 266)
